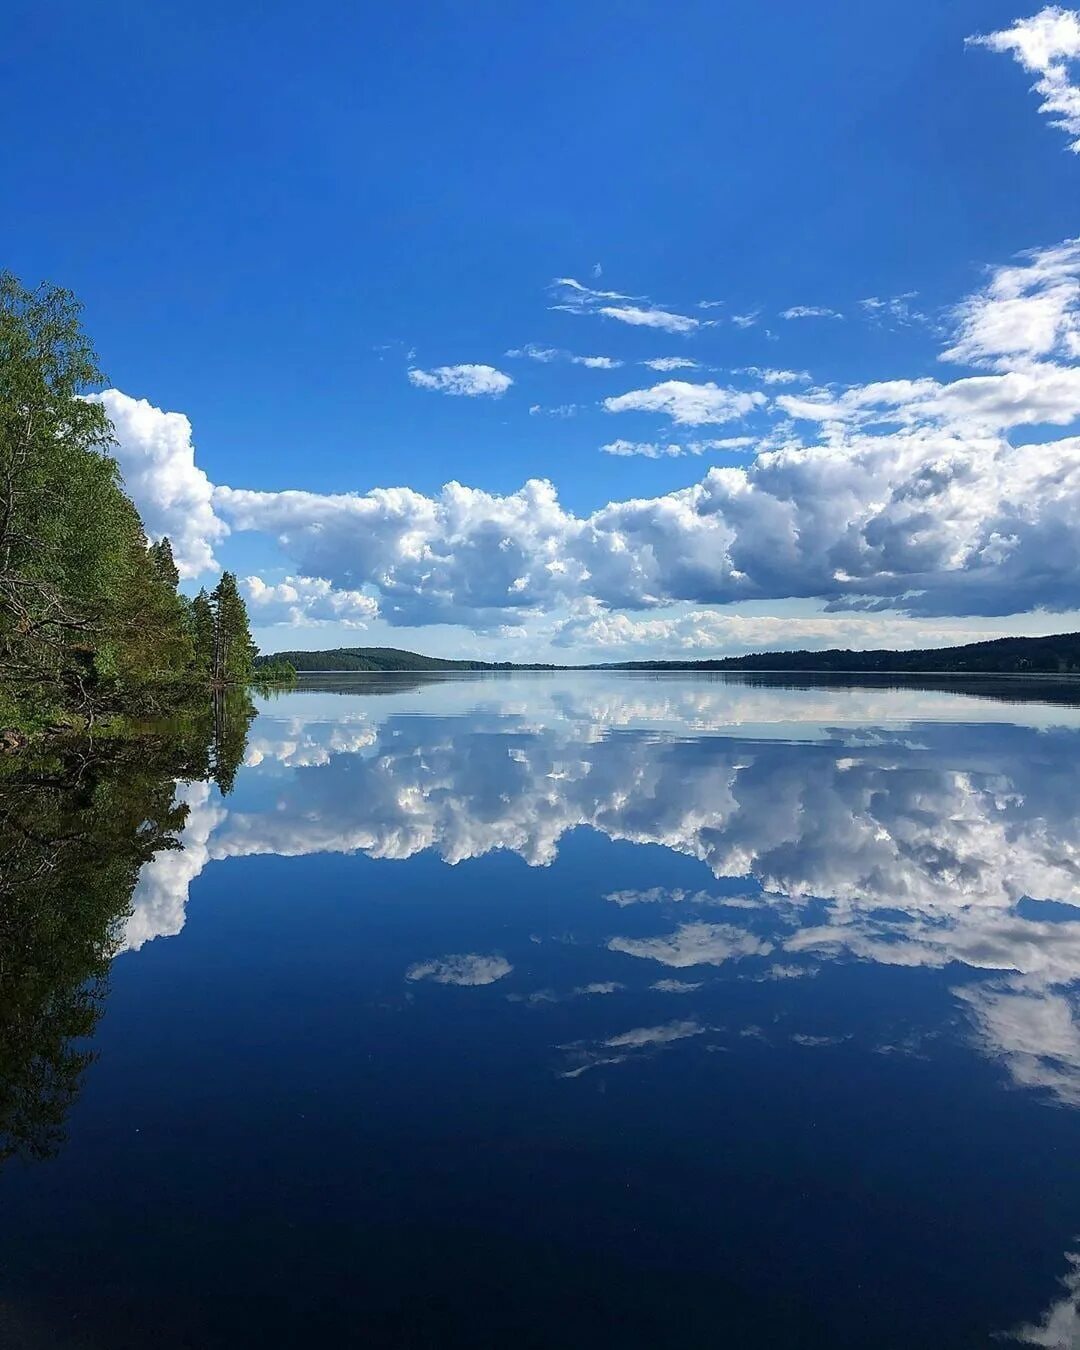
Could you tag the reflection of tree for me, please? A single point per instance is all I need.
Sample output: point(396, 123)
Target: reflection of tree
point(76, 827)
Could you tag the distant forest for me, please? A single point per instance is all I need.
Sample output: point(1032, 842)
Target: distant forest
point(381, 658)
point(1059, 654)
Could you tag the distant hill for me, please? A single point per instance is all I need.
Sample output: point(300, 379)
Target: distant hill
point(377, 658)
point(1058, 655)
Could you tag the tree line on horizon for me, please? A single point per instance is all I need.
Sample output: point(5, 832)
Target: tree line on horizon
point(92, 620)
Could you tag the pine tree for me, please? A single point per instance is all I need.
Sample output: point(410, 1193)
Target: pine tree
point(161, 555)
point(201, 622)
point(234, 651)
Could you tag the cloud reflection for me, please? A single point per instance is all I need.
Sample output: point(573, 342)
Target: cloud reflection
point(906, 828)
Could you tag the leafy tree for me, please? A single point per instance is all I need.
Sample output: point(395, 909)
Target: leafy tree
point(89, 615)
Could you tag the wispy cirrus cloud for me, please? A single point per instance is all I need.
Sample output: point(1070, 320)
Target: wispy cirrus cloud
point(470, 381)
point(810, 312)
point(547, 355)
point(666, 363)
point(672, 450)
point(772, 375)
point(634, 310)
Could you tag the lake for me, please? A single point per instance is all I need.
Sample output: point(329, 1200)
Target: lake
point(553, 1010)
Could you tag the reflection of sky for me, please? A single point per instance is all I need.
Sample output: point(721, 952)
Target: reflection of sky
point(902, 828)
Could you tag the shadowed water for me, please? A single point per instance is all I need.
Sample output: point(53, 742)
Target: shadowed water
point(551, 1011)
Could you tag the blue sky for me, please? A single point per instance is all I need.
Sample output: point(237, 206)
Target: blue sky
point(276, 213)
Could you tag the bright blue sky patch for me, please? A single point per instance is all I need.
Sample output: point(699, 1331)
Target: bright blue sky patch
point(739, 326)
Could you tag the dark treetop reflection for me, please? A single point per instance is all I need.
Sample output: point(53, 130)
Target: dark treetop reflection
point(750, 1011)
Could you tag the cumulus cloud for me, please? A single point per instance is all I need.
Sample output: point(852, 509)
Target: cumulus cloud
point(307, 602)
point(468, 380)
point(157, 458)
point(468, 970)
point(688, 404)
point(930, 521)
point(1044, 45)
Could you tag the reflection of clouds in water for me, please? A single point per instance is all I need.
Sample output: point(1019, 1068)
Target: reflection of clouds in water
point(585, 1055)
point(597, 989)
point(1033, 1031)
point(921, 836)
point(694, 944)
point(675, 986)
point(1059, 1328)
point(158, 904)
point(469, 969)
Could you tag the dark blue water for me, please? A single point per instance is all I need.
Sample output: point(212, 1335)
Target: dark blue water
point(587, 1010)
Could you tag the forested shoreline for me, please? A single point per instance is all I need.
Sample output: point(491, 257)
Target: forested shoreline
point(93, 624)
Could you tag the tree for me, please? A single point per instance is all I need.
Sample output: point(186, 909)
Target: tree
point(89, 615)
point(234, 651)
point(201, 624)
point(161, 557)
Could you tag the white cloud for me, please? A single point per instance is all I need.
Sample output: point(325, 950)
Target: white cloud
point(547, 355)
point(694, 944)
point(746, 320)
point(157, 458)
point(666, 363)
point(307, 602)
point(675, 986)
point(688, 404)
point(643, 449)
point(1027, 311)
point(770, 375)
point(896, 310)
point(810, 312)
point(671, 450)
point(468, 380)
point(470, 969)
point(926, 520)
point(596, 362)
point(650, 317)
point(578, 299)
point(1044, 44)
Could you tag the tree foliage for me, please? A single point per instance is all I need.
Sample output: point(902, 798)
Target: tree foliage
point(91, 619)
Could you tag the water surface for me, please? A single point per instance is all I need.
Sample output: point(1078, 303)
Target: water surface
point(565, 1010)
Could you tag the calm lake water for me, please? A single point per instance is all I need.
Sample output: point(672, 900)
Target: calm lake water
point(574, 1010)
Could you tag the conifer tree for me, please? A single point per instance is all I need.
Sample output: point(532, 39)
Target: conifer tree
point(234, 651)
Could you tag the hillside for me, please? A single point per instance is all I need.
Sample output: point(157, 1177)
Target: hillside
point(1059, 654)
point(376, 659)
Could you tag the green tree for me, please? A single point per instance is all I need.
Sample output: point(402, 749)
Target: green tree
point(89, 615)
point(165, 568)
point(201, 621)
point(234, 651)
